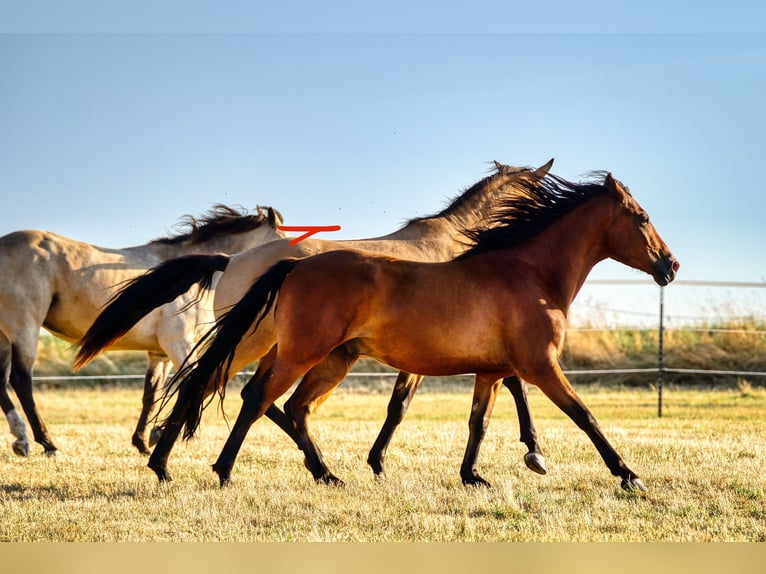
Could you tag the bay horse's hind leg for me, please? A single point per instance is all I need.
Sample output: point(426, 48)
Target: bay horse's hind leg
point(157, 370)
point(557, 388)
point(17, 426)
point(22, 360)
point(484, 395)
point(534, 458)
point(257, 396)
point(171, 428)
point(317, 385)
point(401, 397)
point(273, 413)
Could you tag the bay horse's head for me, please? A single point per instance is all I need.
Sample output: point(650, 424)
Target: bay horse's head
point(633, 240)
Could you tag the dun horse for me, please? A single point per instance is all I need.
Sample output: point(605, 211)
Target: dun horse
point(61, 284)
point(436, 238)
point(498, 310)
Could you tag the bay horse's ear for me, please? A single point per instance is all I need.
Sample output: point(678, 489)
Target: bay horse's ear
point(543, 170)
point(611, 184)
point(499, 166)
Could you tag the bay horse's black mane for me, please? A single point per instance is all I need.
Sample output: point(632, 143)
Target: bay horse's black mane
point(525, 214)
point(220, 219)
point(456, 203)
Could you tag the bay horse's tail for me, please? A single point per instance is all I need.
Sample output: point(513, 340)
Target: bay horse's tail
point(140, 296)
point(220, 344)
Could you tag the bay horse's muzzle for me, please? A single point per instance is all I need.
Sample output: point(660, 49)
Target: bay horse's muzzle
point(665, 269)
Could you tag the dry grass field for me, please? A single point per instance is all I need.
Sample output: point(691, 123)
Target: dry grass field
point(702, 462)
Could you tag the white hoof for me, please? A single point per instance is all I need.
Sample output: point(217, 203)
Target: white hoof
point(535, 462)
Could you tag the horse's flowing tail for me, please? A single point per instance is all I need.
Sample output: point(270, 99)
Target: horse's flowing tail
point(219, 346)
point(140, 296)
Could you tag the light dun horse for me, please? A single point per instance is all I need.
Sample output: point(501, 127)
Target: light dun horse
point(61, 284)
point(436, 238)
point(498, 310)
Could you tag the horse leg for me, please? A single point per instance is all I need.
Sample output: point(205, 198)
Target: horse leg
point(534, 458)
point(171, 428)
point(556, 387)
point(404, 390)
point(157, 370)
point(484, 395)
point(15, 422)
point(256, 398)
point(274, 413)
point(22, 359)
point(315, 388)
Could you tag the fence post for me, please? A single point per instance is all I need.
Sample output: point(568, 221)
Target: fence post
point(660, 365)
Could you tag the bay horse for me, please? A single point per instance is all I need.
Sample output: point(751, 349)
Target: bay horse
point(498, 310)
point(61, 284)
point(434, 238)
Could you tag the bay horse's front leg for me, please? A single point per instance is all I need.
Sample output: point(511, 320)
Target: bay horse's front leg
point(534, 458)
point(485, 392)
point(404, 390)
point(552, 381)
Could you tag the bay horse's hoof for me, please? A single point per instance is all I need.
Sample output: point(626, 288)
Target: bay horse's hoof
point(140, 445)
point(21, 447)
point(535, 462)
point(476, 480)
point(224, 476)
point(51, 451)
point(162, 473)
point(633, 485)
point(330, 480)
point(155, 435)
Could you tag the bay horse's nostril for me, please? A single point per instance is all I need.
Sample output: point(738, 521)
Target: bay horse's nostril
point(675, 266)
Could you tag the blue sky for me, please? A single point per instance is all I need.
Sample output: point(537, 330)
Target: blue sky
point(111, 138)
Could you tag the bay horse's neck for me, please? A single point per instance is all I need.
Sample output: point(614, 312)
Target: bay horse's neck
point(566, 252)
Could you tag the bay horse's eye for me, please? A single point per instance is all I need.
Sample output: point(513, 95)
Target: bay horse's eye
point(643, 219)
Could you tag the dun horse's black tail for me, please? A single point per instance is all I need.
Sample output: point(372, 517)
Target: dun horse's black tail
point(220, 344)
point(142, 295)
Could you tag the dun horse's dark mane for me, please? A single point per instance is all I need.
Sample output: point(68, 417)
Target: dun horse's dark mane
point(220, 219)
point(456, 203)
point(536, 206)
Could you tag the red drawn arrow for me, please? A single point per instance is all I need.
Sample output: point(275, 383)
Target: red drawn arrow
point(308, 230)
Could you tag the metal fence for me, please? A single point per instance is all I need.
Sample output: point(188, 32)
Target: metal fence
point(661, 369)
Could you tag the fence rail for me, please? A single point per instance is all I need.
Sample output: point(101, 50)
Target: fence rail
point(661, 369)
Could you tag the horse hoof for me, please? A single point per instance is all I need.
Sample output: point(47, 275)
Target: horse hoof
point(535, 462)
point(21, 448)
point(51, 452)
point(633, 485)
point(225, 482)
point(330, 480)
point(140, 445)
point(155, 435)
point(162, 474)
point(476, 481)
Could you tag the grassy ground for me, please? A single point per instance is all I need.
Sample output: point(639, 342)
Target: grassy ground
point(702, 462)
